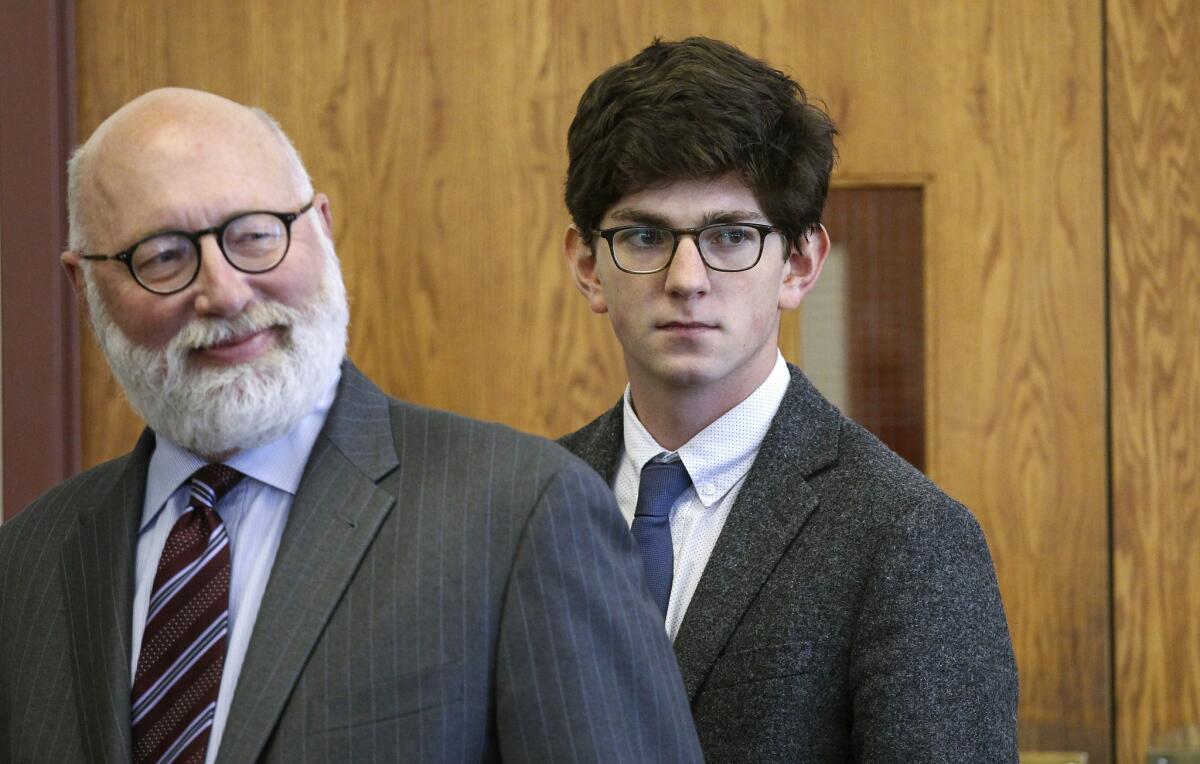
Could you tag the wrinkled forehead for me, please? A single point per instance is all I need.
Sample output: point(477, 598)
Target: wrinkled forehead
point(183, 168)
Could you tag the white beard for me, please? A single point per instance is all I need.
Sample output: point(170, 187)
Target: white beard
point(212, 411)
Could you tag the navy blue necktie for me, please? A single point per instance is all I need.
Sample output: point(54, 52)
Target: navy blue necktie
point(661, 485)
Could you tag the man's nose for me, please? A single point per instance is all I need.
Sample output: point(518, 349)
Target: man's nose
point(687, 274)
point(223, 289)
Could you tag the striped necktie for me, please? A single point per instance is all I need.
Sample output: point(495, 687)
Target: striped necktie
point(661, 485)
point(183, 648)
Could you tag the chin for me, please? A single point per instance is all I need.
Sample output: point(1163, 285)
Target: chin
point(227, 408)
point(686, 374)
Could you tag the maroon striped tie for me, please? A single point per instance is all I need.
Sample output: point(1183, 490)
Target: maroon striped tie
point(183, 647)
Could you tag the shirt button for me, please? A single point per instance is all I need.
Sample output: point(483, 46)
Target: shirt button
point(708, 489)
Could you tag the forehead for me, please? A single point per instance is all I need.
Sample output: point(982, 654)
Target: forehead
point(688, 202)
point(184, 174)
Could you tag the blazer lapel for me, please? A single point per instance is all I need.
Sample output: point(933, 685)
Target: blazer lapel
point(97, 565)
point(336, 513)
point(600, 442)
point(770, 510)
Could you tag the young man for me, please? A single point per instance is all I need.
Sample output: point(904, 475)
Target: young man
point(826, 601)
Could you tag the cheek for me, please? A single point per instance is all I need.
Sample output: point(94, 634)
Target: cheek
point(146, 319)
point(759, 313)
point(626, 308)
point(619, 319)
point(297, 278)
point(153, 328)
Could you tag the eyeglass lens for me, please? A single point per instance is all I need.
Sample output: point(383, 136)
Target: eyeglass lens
point(253, 243)
point(727, 247)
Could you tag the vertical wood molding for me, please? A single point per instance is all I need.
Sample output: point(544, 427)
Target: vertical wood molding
point(1154, 265)
point(39, 323)
point(2, 514)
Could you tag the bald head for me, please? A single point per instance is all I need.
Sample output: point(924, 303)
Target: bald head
point(233, 357)
point(142, 155)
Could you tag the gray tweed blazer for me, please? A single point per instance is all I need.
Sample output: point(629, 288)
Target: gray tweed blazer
point(849, 611)
point(445, 590)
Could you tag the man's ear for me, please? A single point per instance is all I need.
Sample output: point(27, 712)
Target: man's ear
point(72, 263)
point(581, 258)
point(803, 267)
point(325, 213)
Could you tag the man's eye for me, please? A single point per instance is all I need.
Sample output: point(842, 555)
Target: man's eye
point(166, 257)
point(643, 237)
point(254, 234)
point(253, 237)
point(161, 257)
point(733, 236)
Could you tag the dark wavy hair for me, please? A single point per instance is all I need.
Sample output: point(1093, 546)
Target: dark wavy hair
point(693, 109)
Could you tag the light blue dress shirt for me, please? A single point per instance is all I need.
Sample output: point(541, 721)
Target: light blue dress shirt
point(254, 513)
point(717, 459)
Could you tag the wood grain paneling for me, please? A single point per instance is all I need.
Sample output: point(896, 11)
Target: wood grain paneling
point(999, 104)
point(1014, 222)
point(1154, 235)
point(439, 132)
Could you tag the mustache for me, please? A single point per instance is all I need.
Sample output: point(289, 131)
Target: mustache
point(205, 332)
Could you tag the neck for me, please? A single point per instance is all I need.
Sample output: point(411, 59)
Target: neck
point(675, 416)
point(675, 408)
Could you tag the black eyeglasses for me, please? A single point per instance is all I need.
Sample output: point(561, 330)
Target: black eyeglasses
point(725, 247)
point(252, 242)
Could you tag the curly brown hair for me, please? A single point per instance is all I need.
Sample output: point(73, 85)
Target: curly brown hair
point(699, 108)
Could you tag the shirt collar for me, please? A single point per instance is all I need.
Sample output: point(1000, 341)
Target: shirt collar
point(279, 464)
point(721, 454)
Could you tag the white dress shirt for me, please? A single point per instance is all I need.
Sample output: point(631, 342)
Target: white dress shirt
point(717, 459)
point(254, 513)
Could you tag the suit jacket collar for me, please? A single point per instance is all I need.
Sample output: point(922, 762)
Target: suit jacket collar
point(335, 516)
point(97, 565)
point(337, 512)
point(769, 512)
point(600, 443)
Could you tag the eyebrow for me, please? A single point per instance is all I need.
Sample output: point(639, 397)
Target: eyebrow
point(635, 216)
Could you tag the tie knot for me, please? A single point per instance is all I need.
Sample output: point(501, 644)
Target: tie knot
point(661, 485)
point(211, 482)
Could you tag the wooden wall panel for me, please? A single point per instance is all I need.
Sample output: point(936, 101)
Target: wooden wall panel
point(1154, 235)
point(442, 151)
point(439, 132)
point(1014, 220)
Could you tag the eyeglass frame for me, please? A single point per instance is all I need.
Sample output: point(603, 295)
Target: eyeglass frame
point(218, 231)
point(764, 230)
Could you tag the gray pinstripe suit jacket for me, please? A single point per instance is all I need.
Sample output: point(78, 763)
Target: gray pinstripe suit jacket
point(446, 590)
point(849, 611)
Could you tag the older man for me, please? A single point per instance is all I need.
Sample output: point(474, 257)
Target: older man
point(290, 565)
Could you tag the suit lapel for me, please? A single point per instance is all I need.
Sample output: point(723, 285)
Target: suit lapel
point(336, 513)
point(769, 512)
point(97, 564)
point(600, 442)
